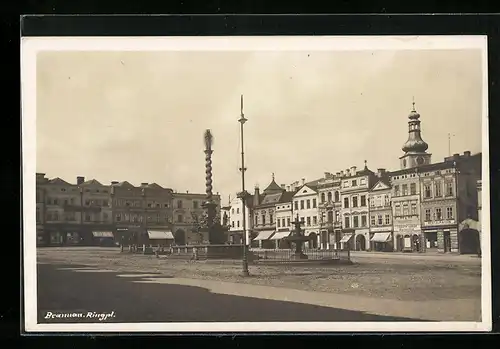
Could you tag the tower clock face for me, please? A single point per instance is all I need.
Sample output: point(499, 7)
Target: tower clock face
point(420, 160)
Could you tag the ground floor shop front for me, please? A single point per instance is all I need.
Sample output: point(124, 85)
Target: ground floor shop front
point(75, 235)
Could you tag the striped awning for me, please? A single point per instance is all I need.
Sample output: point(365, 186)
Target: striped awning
point(280, 235)
point(103, 234)
point(160, 235)
point(264, 235)
point(380, 237)
point(346, 238)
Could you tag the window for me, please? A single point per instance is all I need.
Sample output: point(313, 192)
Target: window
point(437, 189)
point(315, 220)
point(263, 219)
point(363, 200)
point(308, 221)
point(337, 196)
point(157, 218)
point(87, 218)
point(179, 218)
point(405, 209)
point(232, 224)
point(314, 203)
point(413, 188)
point(283, 222)
point(232, 211)
point(288, 222)
point(354, 183)
point(179, 203)
point(397, 210)
point(195, 204)
point(404, 189)
point(449, 189)
point(363, 221)
point(354, 201)
point(118, 217)
point(413, 209)
point(308, 204)
point(322, 197)
point(135, 218)
point(396, 190)
point(372, 220)
point(427, 191)
point(355, 221)
point(362, 181)
point(379, 219)
point(372, 202)
point(449, 212)
point(278, 222)
point(329, 196)
point(346, 184)
point(237, 224)
point(270, 218)
point(346, 202)
point(337, 216)
point(387, 200)
point(237, 210)
point(301, 204)
point(330, 216)
point(438, 214)
point(256, 220)
point(302, 219)
point(296, 205)
point(387, 219)
point(346, 222)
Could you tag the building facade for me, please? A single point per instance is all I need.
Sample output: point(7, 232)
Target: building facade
point(236, 219)
point(305, 207)
point(381, 226)
point(355, 210)
point(284, 218)
point(330, 208)
point(264, 214)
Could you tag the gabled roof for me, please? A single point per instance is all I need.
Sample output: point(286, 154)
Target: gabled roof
point(287, 196)
point(273, 187)
point(92, 182)
point(382, 184)
point(124, 184)
point(301, 189)
point(155, 186)
point(271, 198)
point(58, 181)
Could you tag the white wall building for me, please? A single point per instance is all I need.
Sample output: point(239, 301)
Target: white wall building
point(236, 221)
point(305, 205)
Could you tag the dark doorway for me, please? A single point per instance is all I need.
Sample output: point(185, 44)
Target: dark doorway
point(416, 243)
point(469, 241)
point(360, 242)
point(313, 240)
point(399, 243)
point(446, 242)
point(180, 237)
point(431, 241)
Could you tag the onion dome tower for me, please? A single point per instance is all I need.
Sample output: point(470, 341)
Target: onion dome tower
point(415, 147)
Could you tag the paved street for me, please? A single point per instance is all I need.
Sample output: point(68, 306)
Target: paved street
point(434, 288)
point(61, 290)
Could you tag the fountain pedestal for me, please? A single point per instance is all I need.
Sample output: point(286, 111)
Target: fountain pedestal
point(297, 238)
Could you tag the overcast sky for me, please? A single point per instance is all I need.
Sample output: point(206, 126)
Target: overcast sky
point(140, 116)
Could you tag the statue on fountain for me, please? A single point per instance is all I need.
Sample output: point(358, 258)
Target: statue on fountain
point(297, 238)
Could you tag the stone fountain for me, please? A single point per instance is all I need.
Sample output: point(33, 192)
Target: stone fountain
point(297, 238)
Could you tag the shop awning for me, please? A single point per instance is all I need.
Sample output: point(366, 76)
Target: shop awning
point(103, 234)
point(160, 235)
point(380, 237)
point(264, 235)
point(280, 235)
point(346, 238)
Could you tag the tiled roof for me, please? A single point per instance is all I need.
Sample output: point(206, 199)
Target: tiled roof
point(155, 186)
point(272, 187)
point(124, 184)
point(58, 181)
point(271, 198)
point(287, 196)
point(91, 182)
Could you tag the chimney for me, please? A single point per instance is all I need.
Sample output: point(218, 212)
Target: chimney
point(456, 156)
point(347, 172)
point(256, 197)
point(380, 172)
point(341, 173)
point(467, 153)
point(80, 180)
point(114, 182)
point(287, 188)
point(337, 174)
point(283, 186)
point(353, 170)
point(187, 191)
point(303, 181)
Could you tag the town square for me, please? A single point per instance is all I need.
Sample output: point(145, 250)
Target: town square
point(259, 186)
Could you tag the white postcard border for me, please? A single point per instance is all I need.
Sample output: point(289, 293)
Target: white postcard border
point(30, 46)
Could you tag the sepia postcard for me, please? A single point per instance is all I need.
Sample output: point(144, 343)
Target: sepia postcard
point(255, 184)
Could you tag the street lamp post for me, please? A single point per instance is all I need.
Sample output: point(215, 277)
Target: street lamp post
point(242, 121)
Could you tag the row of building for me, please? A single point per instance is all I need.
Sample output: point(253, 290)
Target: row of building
point(78, 213)
point(420, 207)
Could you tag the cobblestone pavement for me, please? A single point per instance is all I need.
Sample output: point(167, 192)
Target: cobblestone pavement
point(421, 283)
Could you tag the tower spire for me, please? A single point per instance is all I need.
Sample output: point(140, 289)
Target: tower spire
point(413, 103)
point(272, 175)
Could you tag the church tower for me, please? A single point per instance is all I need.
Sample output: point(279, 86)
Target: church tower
point(415, 148)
